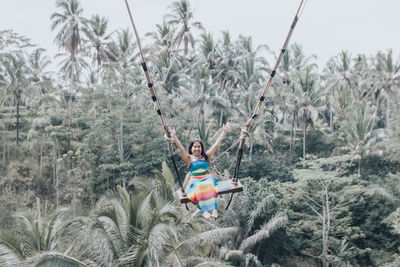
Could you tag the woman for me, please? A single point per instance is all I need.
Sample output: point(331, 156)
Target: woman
point(201, 187)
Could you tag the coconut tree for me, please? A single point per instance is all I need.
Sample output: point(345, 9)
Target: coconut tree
point(201, 92)
point(15, 81)
point(308, 100)
point(256, 227)
point(36, 240)
point(251, 65)
point(182, 16)
point(70, 23)
point(134, 228)
point(226, 71)
point(387, 77)
point(95, 31)
point(169, 71)
point(285, 107)
point(360, 133)
point(37, 64)
point(338, 76)
point(121, 55)
point(163, 37)
point(294, 60)
point(208, 48)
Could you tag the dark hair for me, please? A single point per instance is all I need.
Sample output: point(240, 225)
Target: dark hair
point(203, 153)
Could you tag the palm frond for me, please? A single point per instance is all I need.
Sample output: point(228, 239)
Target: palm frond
point(9, 256)
point(50, 259)
point(382, 192)
point(214, 236)
point(278, 221)
point(168, 176)
point(260, 211)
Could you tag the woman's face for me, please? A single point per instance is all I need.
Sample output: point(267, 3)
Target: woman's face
point(196, 149)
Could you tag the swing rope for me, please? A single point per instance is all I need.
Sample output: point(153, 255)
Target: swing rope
point(153, 95)
point(254, 114)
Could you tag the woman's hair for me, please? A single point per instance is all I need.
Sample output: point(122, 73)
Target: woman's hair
point(203, 153)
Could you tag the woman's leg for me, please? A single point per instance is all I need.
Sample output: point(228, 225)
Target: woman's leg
point(214, 214)
point(206, 214)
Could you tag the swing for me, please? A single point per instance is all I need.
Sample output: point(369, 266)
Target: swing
point(223, 187)
point(227, 186)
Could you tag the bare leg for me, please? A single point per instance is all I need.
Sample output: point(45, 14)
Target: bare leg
point(214, 214)
point(206, 214)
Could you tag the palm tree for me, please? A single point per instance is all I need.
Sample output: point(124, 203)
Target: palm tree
point(96, 32)
point(284, 100)
point(208, 49)
point(360, 133)
point(169, 71)
point(15, 81)
point(37, 64)
point(387, 77)
point(251, 65)
point(227, 67)
point(134, 228)
point(69, 38)
point(307, 96)
point(202, 92)
point(11, 41)
point(121, 55)
point(294, 60)
point(163, 37)
point(338, 77)
point(182, 16)
point(252, 235)
point(36, 240)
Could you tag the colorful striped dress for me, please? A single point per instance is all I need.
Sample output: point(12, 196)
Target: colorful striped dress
point(202, 187)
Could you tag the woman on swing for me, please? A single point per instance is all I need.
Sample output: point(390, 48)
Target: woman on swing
point(201, 186)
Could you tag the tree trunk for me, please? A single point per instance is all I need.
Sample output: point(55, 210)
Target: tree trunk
point(69, 103)
point(221, 117)
point(304, 136)
point(121, 147)
point(251, 149)
point(294, 129)
point(55, 175)
point(186, 43)
point(331, 117)
point(359, 167)
point(327, 224)
point(291, 134)
point(387, 114)
point(74, 190)
point(41, 161)
point(18, 103)
point(5, 144)
point(324, 241)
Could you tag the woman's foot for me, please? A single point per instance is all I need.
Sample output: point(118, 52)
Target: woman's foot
point(214, 214)
point(206, 214)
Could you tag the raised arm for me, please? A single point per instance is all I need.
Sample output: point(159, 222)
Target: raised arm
point(184, 154)
point(225, 129)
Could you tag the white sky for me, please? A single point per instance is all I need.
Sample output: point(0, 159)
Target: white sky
point(325, 28)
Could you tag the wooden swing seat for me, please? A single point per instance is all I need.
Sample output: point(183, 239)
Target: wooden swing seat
point(223, 187)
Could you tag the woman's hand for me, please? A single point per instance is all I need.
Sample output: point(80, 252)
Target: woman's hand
point(171, 131)
point(226, 127)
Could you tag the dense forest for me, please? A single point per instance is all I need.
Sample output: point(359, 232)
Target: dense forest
point(86, 178)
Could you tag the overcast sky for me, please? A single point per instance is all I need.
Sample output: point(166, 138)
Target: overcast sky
point(325, 28)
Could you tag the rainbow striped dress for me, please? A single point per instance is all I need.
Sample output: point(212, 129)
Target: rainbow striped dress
point(202, 187)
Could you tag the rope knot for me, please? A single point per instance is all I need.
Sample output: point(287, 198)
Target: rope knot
point(169, 139)
point(244, 133)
